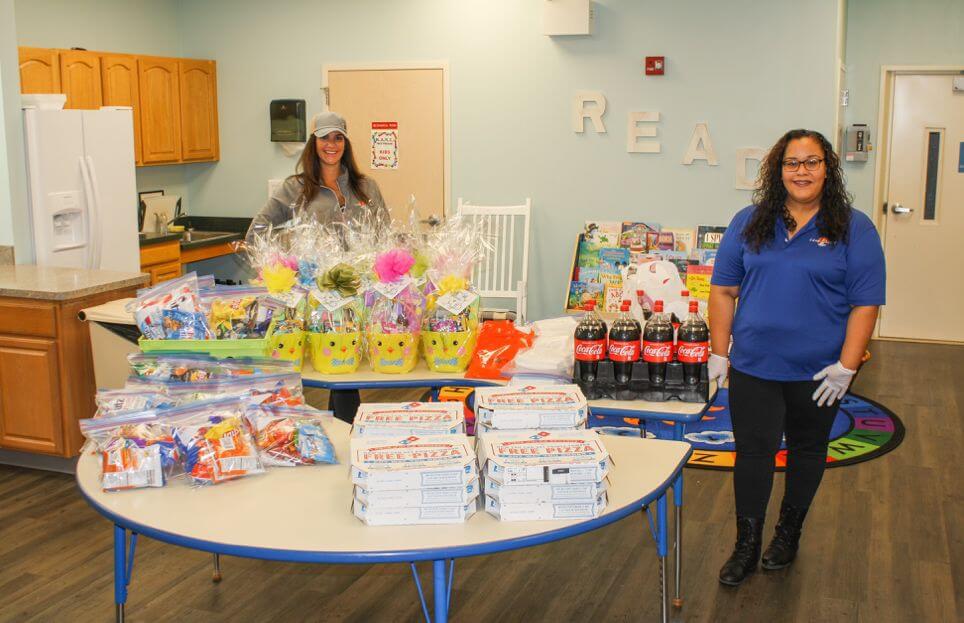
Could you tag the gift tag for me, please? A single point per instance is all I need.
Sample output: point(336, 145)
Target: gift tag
point(456, 302)
point(391, 290)
point(331, 300)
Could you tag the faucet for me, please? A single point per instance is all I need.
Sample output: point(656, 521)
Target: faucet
point(160, 225)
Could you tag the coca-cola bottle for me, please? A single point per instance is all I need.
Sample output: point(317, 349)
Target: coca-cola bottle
point(624, 345)
point(590, 347)
point(657, 345)
point(694, 345)
point(676, 322)
point(643, 305)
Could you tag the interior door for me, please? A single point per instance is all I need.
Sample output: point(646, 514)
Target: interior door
point(925, 211)
point(375, 102)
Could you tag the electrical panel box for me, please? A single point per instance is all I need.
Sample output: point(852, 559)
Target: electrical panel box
point(287, 121)
point(567, 17)
point(857, 143)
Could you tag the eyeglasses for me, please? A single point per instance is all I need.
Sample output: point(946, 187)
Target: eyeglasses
point(793, 164)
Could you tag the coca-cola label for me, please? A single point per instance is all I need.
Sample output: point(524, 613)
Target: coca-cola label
point(693, 352)
point(623, 351)
point(590, 350)
point(657, 352)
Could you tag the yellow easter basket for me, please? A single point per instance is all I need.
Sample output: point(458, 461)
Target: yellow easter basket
point(288, 347)
point(335, 353)
point(449, 351)
point(393, 353)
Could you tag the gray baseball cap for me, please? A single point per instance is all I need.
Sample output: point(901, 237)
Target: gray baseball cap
point(325, 123)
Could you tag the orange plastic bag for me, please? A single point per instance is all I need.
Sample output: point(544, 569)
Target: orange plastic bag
point(498, 344)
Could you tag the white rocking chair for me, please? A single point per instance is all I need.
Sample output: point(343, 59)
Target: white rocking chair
point(499, 274)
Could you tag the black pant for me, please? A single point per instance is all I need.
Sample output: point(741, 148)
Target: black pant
point(762, 411)
point(344, 402)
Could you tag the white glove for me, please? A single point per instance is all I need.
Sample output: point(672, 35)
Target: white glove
point(717, 368)
point(836, 380)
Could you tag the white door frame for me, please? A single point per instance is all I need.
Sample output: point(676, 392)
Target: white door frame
point(885, 118)
point(446, 109)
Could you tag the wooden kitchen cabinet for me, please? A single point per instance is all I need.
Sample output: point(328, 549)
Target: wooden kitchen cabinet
point(80, 79)
point(30, 420)
point(46, 372)
point(175, 101)
point(119, 80)
point(160, 109)
point(198, 85)
point(39, 70)
point(162, 261)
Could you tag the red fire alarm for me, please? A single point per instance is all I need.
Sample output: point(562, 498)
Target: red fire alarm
point(655, 65)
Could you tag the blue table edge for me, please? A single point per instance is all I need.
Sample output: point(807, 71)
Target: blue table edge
point(284, 555)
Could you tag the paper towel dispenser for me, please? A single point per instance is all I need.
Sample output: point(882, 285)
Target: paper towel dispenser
point(287, 121)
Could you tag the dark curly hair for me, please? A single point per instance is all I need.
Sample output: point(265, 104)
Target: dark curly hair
point(770, 197)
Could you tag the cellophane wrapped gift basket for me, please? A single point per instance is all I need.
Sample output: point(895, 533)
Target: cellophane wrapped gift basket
point(450, 326)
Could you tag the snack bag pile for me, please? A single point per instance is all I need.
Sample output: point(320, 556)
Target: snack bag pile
point(135, 449)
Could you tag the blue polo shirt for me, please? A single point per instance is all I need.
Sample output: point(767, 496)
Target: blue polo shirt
point(796, 294)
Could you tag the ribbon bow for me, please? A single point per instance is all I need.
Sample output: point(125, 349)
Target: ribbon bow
point(278, 278)
point(452, 283)
point(343, 278)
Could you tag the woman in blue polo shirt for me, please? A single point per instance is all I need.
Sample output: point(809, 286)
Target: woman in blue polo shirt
point(808, 270)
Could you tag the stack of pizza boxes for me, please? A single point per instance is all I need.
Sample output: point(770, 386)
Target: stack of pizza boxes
point(538, 461)
point(411, 463)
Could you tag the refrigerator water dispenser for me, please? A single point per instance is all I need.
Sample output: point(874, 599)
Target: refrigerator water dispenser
point(68, 227)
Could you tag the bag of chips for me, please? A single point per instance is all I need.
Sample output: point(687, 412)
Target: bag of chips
point(182, 367)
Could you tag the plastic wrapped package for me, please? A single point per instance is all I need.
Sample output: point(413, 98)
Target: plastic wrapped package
point(394, 305)
point(237, 312)
point(135, 448)
point(215, 441)
point(247, 366)
point(115, 401)
point(450, 327)
point(287, 341)
point(291, 436)
point(271, 389)
point(184, 368)
point(172, 310)
point(335, 321)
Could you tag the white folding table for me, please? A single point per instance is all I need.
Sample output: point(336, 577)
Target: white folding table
point(242, 518)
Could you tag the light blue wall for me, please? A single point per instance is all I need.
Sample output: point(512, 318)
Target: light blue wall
point(128, 26)
point(893, 32)
point(14, 225)
point(742, 66)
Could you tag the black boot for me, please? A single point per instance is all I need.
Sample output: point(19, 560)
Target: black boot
point(786, 538)
point(746, 552)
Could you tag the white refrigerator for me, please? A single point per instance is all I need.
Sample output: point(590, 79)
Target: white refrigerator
point(82, 189)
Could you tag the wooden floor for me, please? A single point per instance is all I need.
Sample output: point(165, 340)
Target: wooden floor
point(884, 542)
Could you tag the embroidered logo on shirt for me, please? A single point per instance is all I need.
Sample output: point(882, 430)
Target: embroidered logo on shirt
point(821, 241)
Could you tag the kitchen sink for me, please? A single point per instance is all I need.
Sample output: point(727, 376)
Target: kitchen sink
point(197, 236)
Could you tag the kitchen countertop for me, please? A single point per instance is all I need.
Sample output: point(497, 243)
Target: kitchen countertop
point(149, 238)
point(53, 283)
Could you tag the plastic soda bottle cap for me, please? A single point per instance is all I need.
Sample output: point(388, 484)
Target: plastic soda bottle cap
point(639, 292)
point(685, 293)
point(694, 306)
point(657, 306)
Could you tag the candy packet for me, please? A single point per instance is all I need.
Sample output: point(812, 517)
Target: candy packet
point(291, 436)
point(215, 441)
point(135, 449)
point(172, 311)
point(281, 388)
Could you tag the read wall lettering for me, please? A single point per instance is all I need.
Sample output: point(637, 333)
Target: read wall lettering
point(641, 132)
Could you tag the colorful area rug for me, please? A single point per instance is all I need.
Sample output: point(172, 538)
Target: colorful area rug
point(863, 430)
